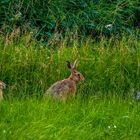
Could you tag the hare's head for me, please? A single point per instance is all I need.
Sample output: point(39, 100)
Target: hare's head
point(2, 85)
point(75, 75)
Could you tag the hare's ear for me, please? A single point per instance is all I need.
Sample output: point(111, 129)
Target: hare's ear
point(69, 65)
point(75, 63)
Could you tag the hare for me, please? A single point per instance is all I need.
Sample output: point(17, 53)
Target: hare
point(64, 89)
point(2, 86)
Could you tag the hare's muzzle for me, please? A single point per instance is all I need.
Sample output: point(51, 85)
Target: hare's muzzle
point(82, 78)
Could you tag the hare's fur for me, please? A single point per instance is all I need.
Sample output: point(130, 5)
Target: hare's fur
point(2, 86)
point(64, 89)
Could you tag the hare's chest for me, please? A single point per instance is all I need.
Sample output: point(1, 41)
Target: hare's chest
point(72, 88)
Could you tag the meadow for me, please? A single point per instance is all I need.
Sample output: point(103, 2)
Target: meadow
point(103, 107)
point(38, 37)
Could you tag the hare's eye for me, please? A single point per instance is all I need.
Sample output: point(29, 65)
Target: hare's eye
point(78, 74)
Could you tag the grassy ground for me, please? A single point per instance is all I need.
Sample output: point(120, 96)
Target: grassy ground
point(102, 109)
point(95, 118)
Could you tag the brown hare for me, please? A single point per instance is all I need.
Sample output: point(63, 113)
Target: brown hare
point(64, 89)
point(2, 86)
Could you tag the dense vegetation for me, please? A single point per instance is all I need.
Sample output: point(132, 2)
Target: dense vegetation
point(59, 18)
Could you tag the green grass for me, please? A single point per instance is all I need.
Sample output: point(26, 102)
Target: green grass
point(102, 109)
point(95, 118)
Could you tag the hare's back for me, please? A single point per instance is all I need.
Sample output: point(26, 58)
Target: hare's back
point(62, 87)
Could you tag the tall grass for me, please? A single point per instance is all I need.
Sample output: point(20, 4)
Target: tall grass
point(108, 66)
